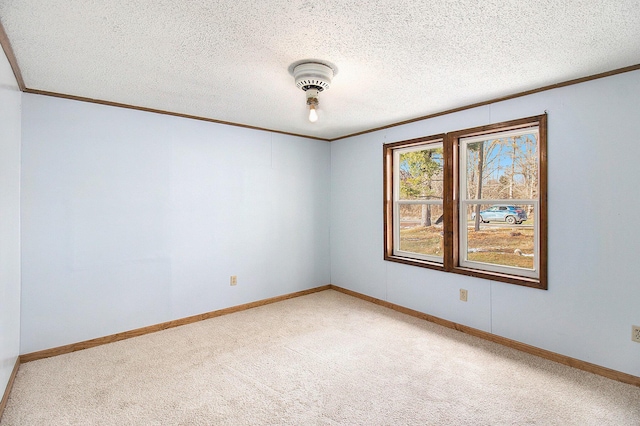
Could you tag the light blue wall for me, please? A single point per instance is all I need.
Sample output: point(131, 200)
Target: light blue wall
point(132, 218)
point(594, 163)
point(10, 115)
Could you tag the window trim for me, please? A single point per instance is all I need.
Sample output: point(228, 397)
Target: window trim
point(397, 202)
point(388, 201)
point(451, 202)
point(463, 231)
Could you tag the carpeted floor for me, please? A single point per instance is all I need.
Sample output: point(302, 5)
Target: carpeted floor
point(321, 359)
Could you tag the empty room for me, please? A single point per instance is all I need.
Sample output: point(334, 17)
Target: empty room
point(331, 213)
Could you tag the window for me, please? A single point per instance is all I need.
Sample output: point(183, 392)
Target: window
point(471, 202)
point(415, 201)
point(417, 204)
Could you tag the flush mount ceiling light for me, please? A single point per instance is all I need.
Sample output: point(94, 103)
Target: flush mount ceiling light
point(312, 76)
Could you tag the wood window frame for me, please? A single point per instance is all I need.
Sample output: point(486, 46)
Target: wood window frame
point(451, 202)
point(388, 152)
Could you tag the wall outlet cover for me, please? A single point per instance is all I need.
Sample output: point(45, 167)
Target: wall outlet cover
point(635, 333)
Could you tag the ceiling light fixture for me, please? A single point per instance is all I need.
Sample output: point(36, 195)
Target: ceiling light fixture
point(312, 76)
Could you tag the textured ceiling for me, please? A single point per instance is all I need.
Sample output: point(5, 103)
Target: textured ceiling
point(227, 60)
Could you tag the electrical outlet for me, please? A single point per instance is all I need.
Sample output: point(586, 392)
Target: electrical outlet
point(635, 333)
point(234, 279)
point(463, 294)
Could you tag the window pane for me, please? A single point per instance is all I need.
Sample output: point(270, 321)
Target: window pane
point(508, 166)
point(421, 174)
point(421, 229)
point(501, 236)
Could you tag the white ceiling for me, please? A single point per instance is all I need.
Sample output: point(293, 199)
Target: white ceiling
point(227, 59)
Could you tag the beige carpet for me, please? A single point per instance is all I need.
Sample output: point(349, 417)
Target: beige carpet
point(322, 359)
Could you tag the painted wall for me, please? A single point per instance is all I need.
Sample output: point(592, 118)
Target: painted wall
point(132, 218)
point(594, 163)
point(10, 115)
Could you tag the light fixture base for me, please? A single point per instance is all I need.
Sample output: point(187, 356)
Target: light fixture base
point(313, 74)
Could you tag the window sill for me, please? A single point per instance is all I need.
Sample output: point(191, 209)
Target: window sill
point(415, 262)
point(487, 275)
point(505, 278)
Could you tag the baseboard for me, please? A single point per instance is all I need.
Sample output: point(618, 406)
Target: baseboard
point(542, 353)
point(60, 350)
point(7, 390)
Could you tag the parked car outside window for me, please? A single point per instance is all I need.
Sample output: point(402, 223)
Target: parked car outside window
point(502, 213)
